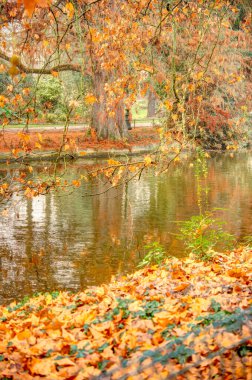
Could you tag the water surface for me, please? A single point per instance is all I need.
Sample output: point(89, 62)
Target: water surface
point(70, 242)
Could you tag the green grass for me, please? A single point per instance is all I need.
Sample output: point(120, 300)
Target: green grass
point(139, 109)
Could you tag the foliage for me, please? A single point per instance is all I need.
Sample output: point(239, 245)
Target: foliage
point(203, 233)
point(155, 255)
point(49, 92)
point(12, 109)
point(4, 82)
point(155, 321)
point(50, 100)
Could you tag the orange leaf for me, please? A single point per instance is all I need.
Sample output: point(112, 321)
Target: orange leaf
point(24, 334)
point(236, 273)
point(30, 6)
point(163, 318)
point(182, 286)
point(55, 73)
point(90, 99)
point(168, 105)
point(76, 183)
point(65, 362)
point(42, 367)
point(216, 268)
point(70, 10)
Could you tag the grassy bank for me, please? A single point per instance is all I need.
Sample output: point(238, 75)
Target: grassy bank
point(155, 323)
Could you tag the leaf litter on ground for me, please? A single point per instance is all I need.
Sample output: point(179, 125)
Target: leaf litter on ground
point(152, 324)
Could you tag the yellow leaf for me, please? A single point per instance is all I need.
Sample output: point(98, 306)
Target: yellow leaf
point(45, 43)
point(40, 137)
point(48, 299)
point(199, 75)
point(168, 105)
point(147, 160)
point(226, 24)
point(112, 162)
point(15, 60)
point(23, 136)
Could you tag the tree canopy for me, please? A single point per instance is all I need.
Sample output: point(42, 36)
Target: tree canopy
point(196, 53)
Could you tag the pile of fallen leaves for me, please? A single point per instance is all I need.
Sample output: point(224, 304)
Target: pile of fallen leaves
point(184, 319)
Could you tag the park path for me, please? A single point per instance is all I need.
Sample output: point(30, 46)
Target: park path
point(72, 127)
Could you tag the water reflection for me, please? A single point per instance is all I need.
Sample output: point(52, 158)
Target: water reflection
point(70, 242)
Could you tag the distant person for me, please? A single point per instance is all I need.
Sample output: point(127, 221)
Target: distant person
point(128, 118)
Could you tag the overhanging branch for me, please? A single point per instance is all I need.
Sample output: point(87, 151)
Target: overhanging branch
point(31, 70)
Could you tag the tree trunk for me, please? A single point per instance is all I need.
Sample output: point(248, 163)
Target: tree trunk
point(151, 103)
point(108, 125)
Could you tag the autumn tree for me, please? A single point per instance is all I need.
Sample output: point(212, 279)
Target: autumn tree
point(96, 38)
point(180, 44)
point(188, 52)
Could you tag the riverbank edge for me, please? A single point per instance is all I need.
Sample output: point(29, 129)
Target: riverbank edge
point(81, 154)
point(89, 153)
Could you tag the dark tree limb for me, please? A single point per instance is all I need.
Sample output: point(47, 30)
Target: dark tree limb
point(32, 70)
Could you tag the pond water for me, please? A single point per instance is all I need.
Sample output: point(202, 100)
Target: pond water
point(70, 242)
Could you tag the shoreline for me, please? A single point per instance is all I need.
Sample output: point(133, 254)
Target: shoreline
point(45, 146)
point(82, 154)
point(100, 154)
